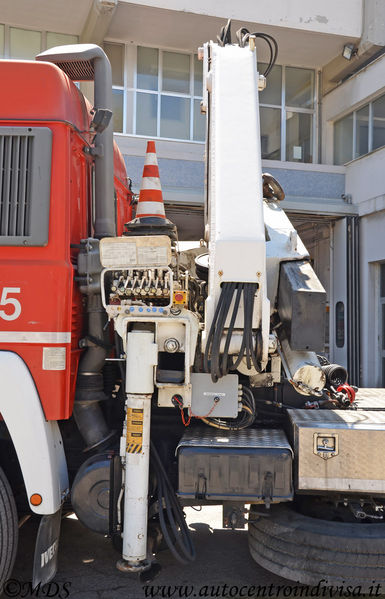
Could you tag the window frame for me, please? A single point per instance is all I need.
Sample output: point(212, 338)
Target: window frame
point(353, 113)
point(5, 52)
point(381, 350)
point(129, 120)
point(130, 64)
point(286, 108)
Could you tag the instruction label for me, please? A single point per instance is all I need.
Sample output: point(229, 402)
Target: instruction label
point(54, 358)
point(134, 443)
point(152, 255)
point(118, 253)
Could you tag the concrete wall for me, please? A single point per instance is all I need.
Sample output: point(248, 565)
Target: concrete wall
point(366, 184)
point(343, 17)
point(356, 91)
point(365, 181)
point(372, 247)
point(181, 167)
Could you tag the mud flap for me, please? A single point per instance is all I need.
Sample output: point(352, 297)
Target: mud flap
point(46, 549)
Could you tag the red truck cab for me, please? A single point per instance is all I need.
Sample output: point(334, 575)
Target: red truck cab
point(47, 179)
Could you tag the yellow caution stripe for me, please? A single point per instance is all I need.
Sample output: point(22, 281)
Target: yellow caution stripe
point(134, 430)
point(134, 448)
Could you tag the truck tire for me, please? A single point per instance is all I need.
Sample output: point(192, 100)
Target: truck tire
point(9, 530)
point(313, 551)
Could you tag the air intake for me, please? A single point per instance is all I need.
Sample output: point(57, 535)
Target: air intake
point(83, 70)
point(25, 172)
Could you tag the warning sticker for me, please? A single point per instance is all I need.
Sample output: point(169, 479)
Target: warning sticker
point(134, 430)
point(54, 358)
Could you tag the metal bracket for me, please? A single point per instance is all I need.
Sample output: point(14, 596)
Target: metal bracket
point(267, 489)
point(233, 515)
point(201, 489)
point(94, 150)
point(89, 266)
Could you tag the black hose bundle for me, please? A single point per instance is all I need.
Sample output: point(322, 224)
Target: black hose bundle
point(243, 36)
point(180, 534)
point(245, 418)
point(250, 348)
point(225, 35)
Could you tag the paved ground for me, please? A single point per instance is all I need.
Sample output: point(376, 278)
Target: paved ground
point(87, 561)
point(87, 567)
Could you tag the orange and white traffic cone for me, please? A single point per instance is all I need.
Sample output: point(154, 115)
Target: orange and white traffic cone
point(150, 216)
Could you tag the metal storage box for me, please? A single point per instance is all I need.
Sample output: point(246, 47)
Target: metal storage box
point(339, 450)
point(249, 465)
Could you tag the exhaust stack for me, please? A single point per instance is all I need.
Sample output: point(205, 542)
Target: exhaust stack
point(88, 62)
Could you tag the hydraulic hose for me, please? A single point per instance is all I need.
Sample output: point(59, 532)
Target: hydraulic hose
point(181, 536)
point(250, 347)
point(245, 418)
point(243, 38)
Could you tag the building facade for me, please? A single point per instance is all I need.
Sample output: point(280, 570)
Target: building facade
point(322, 126)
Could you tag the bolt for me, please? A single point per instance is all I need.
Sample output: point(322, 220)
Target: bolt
point(220, 272)
point(171, 345)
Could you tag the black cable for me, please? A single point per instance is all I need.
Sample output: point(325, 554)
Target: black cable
point(175, 516)
point(243, 37)
point(249, 290)
point(216, 332)
point(225, 36)
point(248, 307)
point(249, 346)
point(244, 420)
point(243, 344)
point(228, 291)
point(211, 334)
point(225, 357)
point(253, 354)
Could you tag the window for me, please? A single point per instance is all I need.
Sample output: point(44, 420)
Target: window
point(287, 113)
point(360, 132)
point(60, 39)
point(378, 123)
point(340, 324)
point(156, 92)
point(382, 324)
point(25, 44)
point(343, 140)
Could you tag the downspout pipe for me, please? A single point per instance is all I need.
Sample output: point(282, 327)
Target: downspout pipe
point(88, 62)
